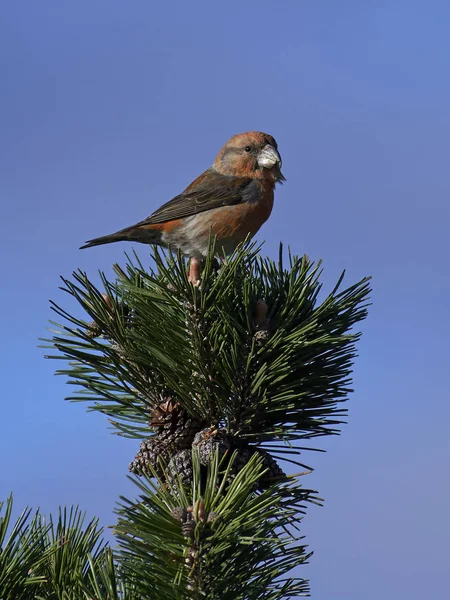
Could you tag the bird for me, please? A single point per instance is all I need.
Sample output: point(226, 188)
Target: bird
point(230, 201)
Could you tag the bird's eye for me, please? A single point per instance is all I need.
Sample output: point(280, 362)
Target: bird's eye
point(248, 148)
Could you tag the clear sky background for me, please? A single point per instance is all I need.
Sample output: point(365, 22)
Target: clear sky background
point(109, 108)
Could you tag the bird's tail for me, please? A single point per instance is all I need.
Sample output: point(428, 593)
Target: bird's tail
point(145, 235)
point(106, 239)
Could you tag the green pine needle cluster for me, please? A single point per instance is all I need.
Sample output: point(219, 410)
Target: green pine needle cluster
point(273, 382)
point(249, 363)
point(175, 542)
point(235, 545)
point(44, 559)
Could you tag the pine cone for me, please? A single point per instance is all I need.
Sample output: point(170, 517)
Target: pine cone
point(180, 465)
point(188, 526)
point(171, 422)
point(179, 513)
point(164, 412)
point(174, 431)
point(274, 470)
point(208, 441)
point(150, 451)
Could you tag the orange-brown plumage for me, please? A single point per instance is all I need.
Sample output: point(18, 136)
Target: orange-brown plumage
point(230, 200)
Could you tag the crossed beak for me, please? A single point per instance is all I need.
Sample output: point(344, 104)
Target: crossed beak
point(269, 158)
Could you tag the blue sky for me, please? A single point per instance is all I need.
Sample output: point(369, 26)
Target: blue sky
point(108, 109)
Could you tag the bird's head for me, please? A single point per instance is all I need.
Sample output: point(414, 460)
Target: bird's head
point(251, 154)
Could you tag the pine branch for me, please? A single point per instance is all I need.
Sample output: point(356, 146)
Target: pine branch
point(162, 338)
point(222, 538)
point(218, 377)
point(20, 553)
point(47, 560)
point(73, 547)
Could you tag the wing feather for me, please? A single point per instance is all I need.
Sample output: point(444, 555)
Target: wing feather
point(210, 190)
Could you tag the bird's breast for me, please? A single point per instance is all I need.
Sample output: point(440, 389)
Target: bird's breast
point(230, 224)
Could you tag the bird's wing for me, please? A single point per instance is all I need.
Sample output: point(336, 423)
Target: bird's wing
point(210, 190)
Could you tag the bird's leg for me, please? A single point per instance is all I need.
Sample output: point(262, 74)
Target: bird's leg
point(194, 271)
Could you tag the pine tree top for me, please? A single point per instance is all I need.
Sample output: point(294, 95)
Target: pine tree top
point(251, 349)
point(219, 379)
